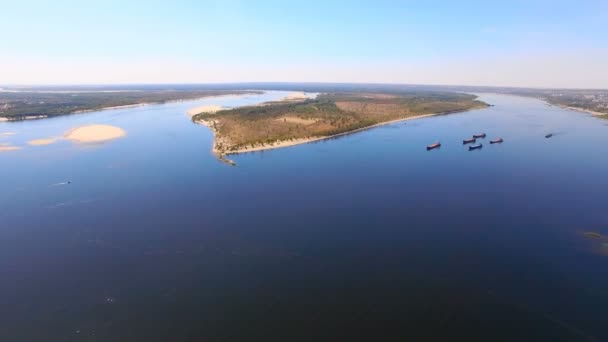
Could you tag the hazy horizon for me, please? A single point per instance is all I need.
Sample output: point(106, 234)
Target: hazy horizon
point(269, 83)
point(539, 45)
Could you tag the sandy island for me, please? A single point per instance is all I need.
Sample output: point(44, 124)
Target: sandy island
point(94, 134)
point(82, 135)
point(300, 141)
point(43, 141)
point(212, 125)
point(7, 147)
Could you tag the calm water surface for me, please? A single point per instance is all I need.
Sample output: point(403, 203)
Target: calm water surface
point(368, 236)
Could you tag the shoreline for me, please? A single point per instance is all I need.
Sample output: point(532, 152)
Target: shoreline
point(581, 110)
point(561, 106)
point(300, 141)
point(134, 105)
point(205, 109)
point(142, 104)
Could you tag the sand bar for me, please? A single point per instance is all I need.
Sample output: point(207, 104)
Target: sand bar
point(94, 134)
point(7, 148)
point(43, 141)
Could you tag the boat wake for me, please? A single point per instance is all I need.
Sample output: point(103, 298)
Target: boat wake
point(62, 183)
point(69, 203)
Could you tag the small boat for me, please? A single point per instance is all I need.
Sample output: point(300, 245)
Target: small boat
point(433, 146)
point(475, 147)
point(593, 235)
point(468, 141)
point(496, 141)
point(480, 135)
point(549, 135)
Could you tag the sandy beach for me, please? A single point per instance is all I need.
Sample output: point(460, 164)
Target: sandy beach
point(296, 96)
point(585, 111)
point(21, 118)
point(205, 109)
point(94, 134)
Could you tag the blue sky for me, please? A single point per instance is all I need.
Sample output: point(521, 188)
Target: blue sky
point(519, 43)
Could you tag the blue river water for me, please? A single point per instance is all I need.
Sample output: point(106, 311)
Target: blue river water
point(367, 236)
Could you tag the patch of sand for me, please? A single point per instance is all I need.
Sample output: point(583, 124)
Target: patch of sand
point(296, 120)
point(94, 134)
point(7, 147)
point(205, 109)
point(583, 110)
point(380, 96)
point(43, 141)
point(298, 95)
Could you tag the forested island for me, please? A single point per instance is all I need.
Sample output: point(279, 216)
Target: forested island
point(286, 123)
point(36, 104)
point(593, 101)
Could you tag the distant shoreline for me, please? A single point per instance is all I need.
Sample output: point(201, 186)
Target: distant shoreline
point(562, 106)
point(248, 92)
point(582, 110)
point(133, 105)
point(300, 141)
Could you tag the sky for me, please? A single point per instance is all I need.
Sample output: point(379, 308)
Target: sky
point(509, 43)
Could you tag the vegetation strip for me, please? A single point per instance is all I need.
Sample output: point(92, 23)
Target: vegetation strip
point(39, 105)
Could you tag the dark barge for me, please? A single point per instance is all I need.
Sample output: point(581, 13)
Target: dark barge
point(433, 146)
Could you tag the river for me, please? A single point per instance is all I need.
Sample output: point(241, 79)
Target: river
point(365, 236)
